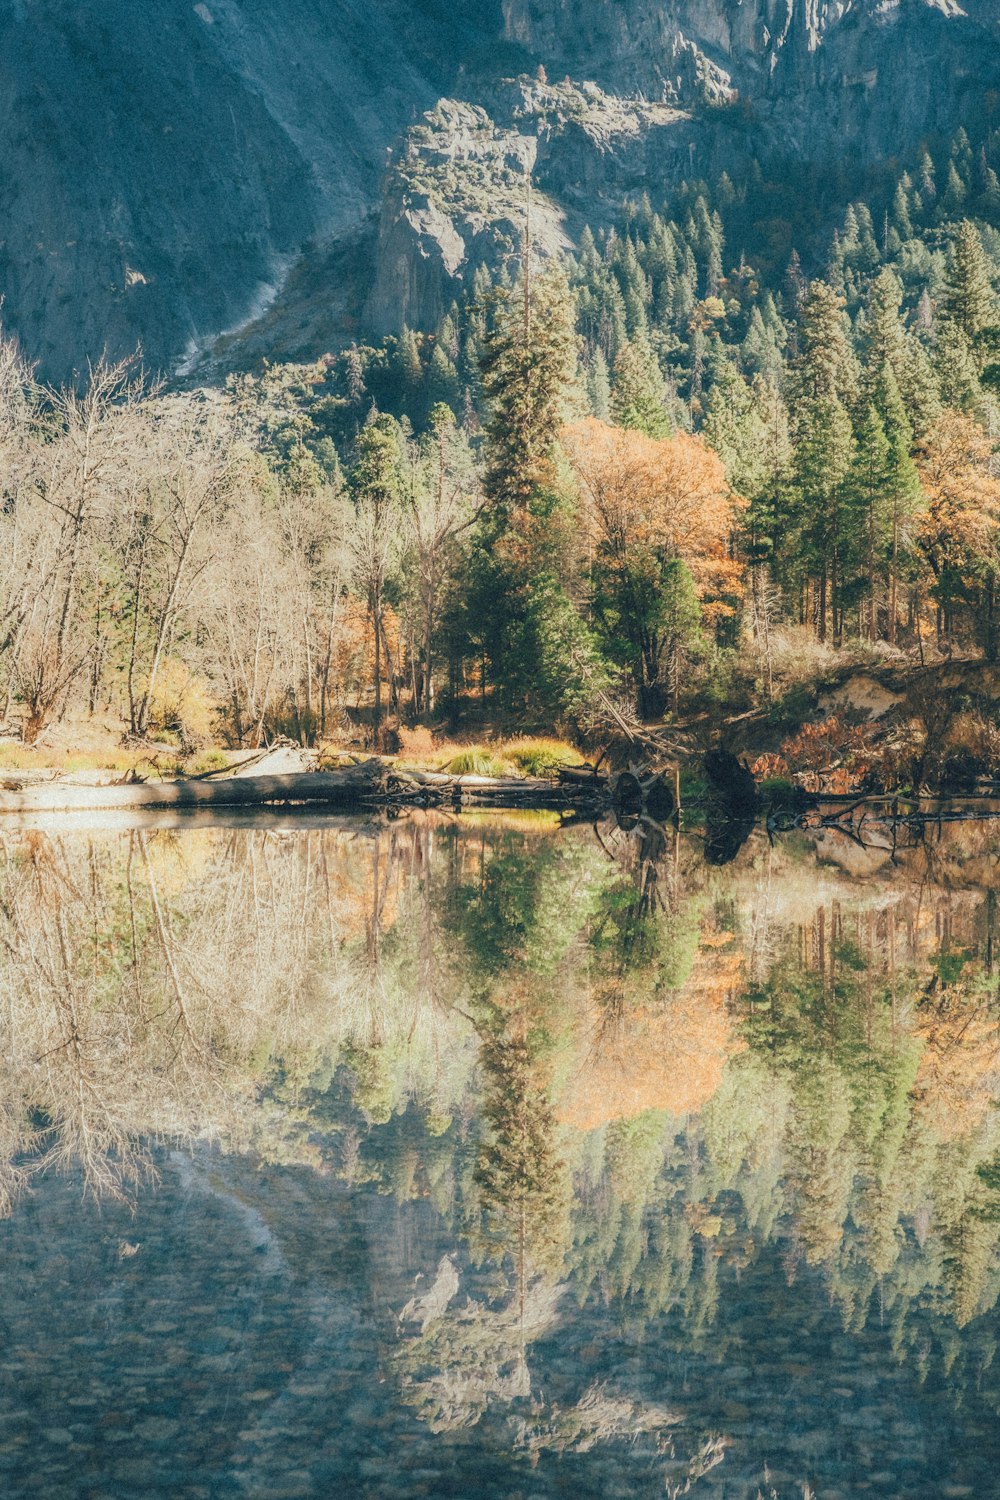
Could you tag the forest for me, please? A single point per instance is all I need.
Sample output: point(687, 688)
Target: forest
point(679, 472)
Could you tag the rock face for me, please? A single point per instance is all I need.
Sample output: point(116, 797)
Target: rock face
point(164, 168)
point(875, 73)
point(161, 165)
point(456, 193)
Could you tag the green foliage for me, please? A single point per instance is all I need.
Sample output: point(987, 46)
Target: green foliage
point(561, 670)
point(475, 762)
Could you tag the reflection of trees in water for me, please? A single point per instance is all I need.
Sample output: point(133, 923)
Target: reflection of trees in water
point(150, 982)
point(657, 1068)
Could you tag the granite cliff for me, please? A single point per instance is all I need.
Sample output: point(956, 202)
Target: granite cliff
point(308, 169)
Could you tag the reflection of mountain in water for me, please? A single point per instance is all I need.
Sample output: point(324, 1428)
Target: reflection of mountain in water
point(631, 1103)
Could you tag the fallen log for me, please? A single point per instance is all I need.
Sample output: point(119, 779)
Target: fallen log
point(355, 787)
point(369, 784)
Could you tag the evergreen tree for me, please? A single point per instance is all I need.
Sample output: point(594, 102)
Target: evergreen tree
point(443, 384)
point(638, 397)
point(884, 339)
point(901, 485)
point(734, 427)
point(599, 387)
point(823, 455)
point(955, 367)
point(528, 363)
point(825, 367)
point(867, 489)
point(918, 385)
point(970, 301)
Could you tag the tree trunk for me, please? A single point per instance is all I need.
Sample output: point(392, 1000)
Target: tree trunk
point(377, 627)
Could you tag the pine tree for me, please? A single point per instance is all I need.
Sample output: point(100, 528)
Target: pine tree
point(528, 363)
point(735, 428)
point(638, 398)
point(918, 385)
point(884, 340)
point(901, 208)
point(970, 301)
point(869, 506)
point(955, 367)
point(823, 454)
point(599, 387)
point(442, 384)
point(903, 494)
point(825, 367)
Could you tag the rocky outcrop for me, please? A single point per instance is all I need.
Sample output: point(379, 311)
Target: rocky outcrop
point(819, 75)
point(457, 191)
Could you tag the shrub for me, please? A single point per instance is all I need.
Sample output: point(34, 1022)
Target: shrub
point(181, 703)
point(539, 757)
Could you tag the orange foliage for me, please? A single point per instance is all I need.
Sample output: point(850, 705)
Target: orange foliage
point(670, 494)
point(957, 471)
point(827, 757)
point(959, 1070)
point(668, 1057)
point(353, 653)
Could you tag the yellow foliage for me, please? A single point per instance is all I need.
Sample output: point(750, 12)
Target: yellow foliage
point(181, 700)
point(956, 464)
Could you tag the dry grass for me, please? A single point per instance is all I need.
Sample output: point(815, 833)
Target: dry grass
point(17, 757)
point(94, 746)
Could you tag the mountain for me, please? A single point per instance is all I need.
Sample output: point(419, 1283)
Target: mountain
point(171, 172)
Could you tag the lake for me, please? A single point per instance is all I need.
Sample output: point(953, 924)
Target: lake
point(489, 1157)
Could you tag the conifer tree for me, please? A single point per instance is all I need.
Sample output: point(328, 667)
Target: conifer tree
point(528, 363)
point(825, 367)
point(970, 301)
point(955, 367)
point(901, 484)
point(823, 455)
point(918, 385)
point(599, 387)
point(638, 397)
point(884, 339)
point(734, 428)
point(867, 488)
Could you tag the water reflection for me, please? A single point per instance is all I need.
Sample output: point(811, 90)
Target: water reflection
point(675, 1153)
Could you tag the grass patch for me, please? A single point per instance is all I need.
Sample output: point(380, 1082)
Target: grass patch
point(538, 756)
point(210, 760)
point(476, 761)
point(15, 757)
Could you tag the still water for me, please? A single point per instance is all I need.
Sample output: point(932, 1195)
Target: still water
point(497, 1159)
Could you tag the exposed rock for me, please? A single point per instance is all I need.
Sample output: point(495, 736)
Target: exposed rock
point(162, 166)
point(456, 194)
point(171, 172)
point(817, 73)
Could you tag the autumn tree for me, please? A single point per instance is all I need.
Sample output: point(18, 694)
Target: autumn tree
point(959, 533)
point(648, 505)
